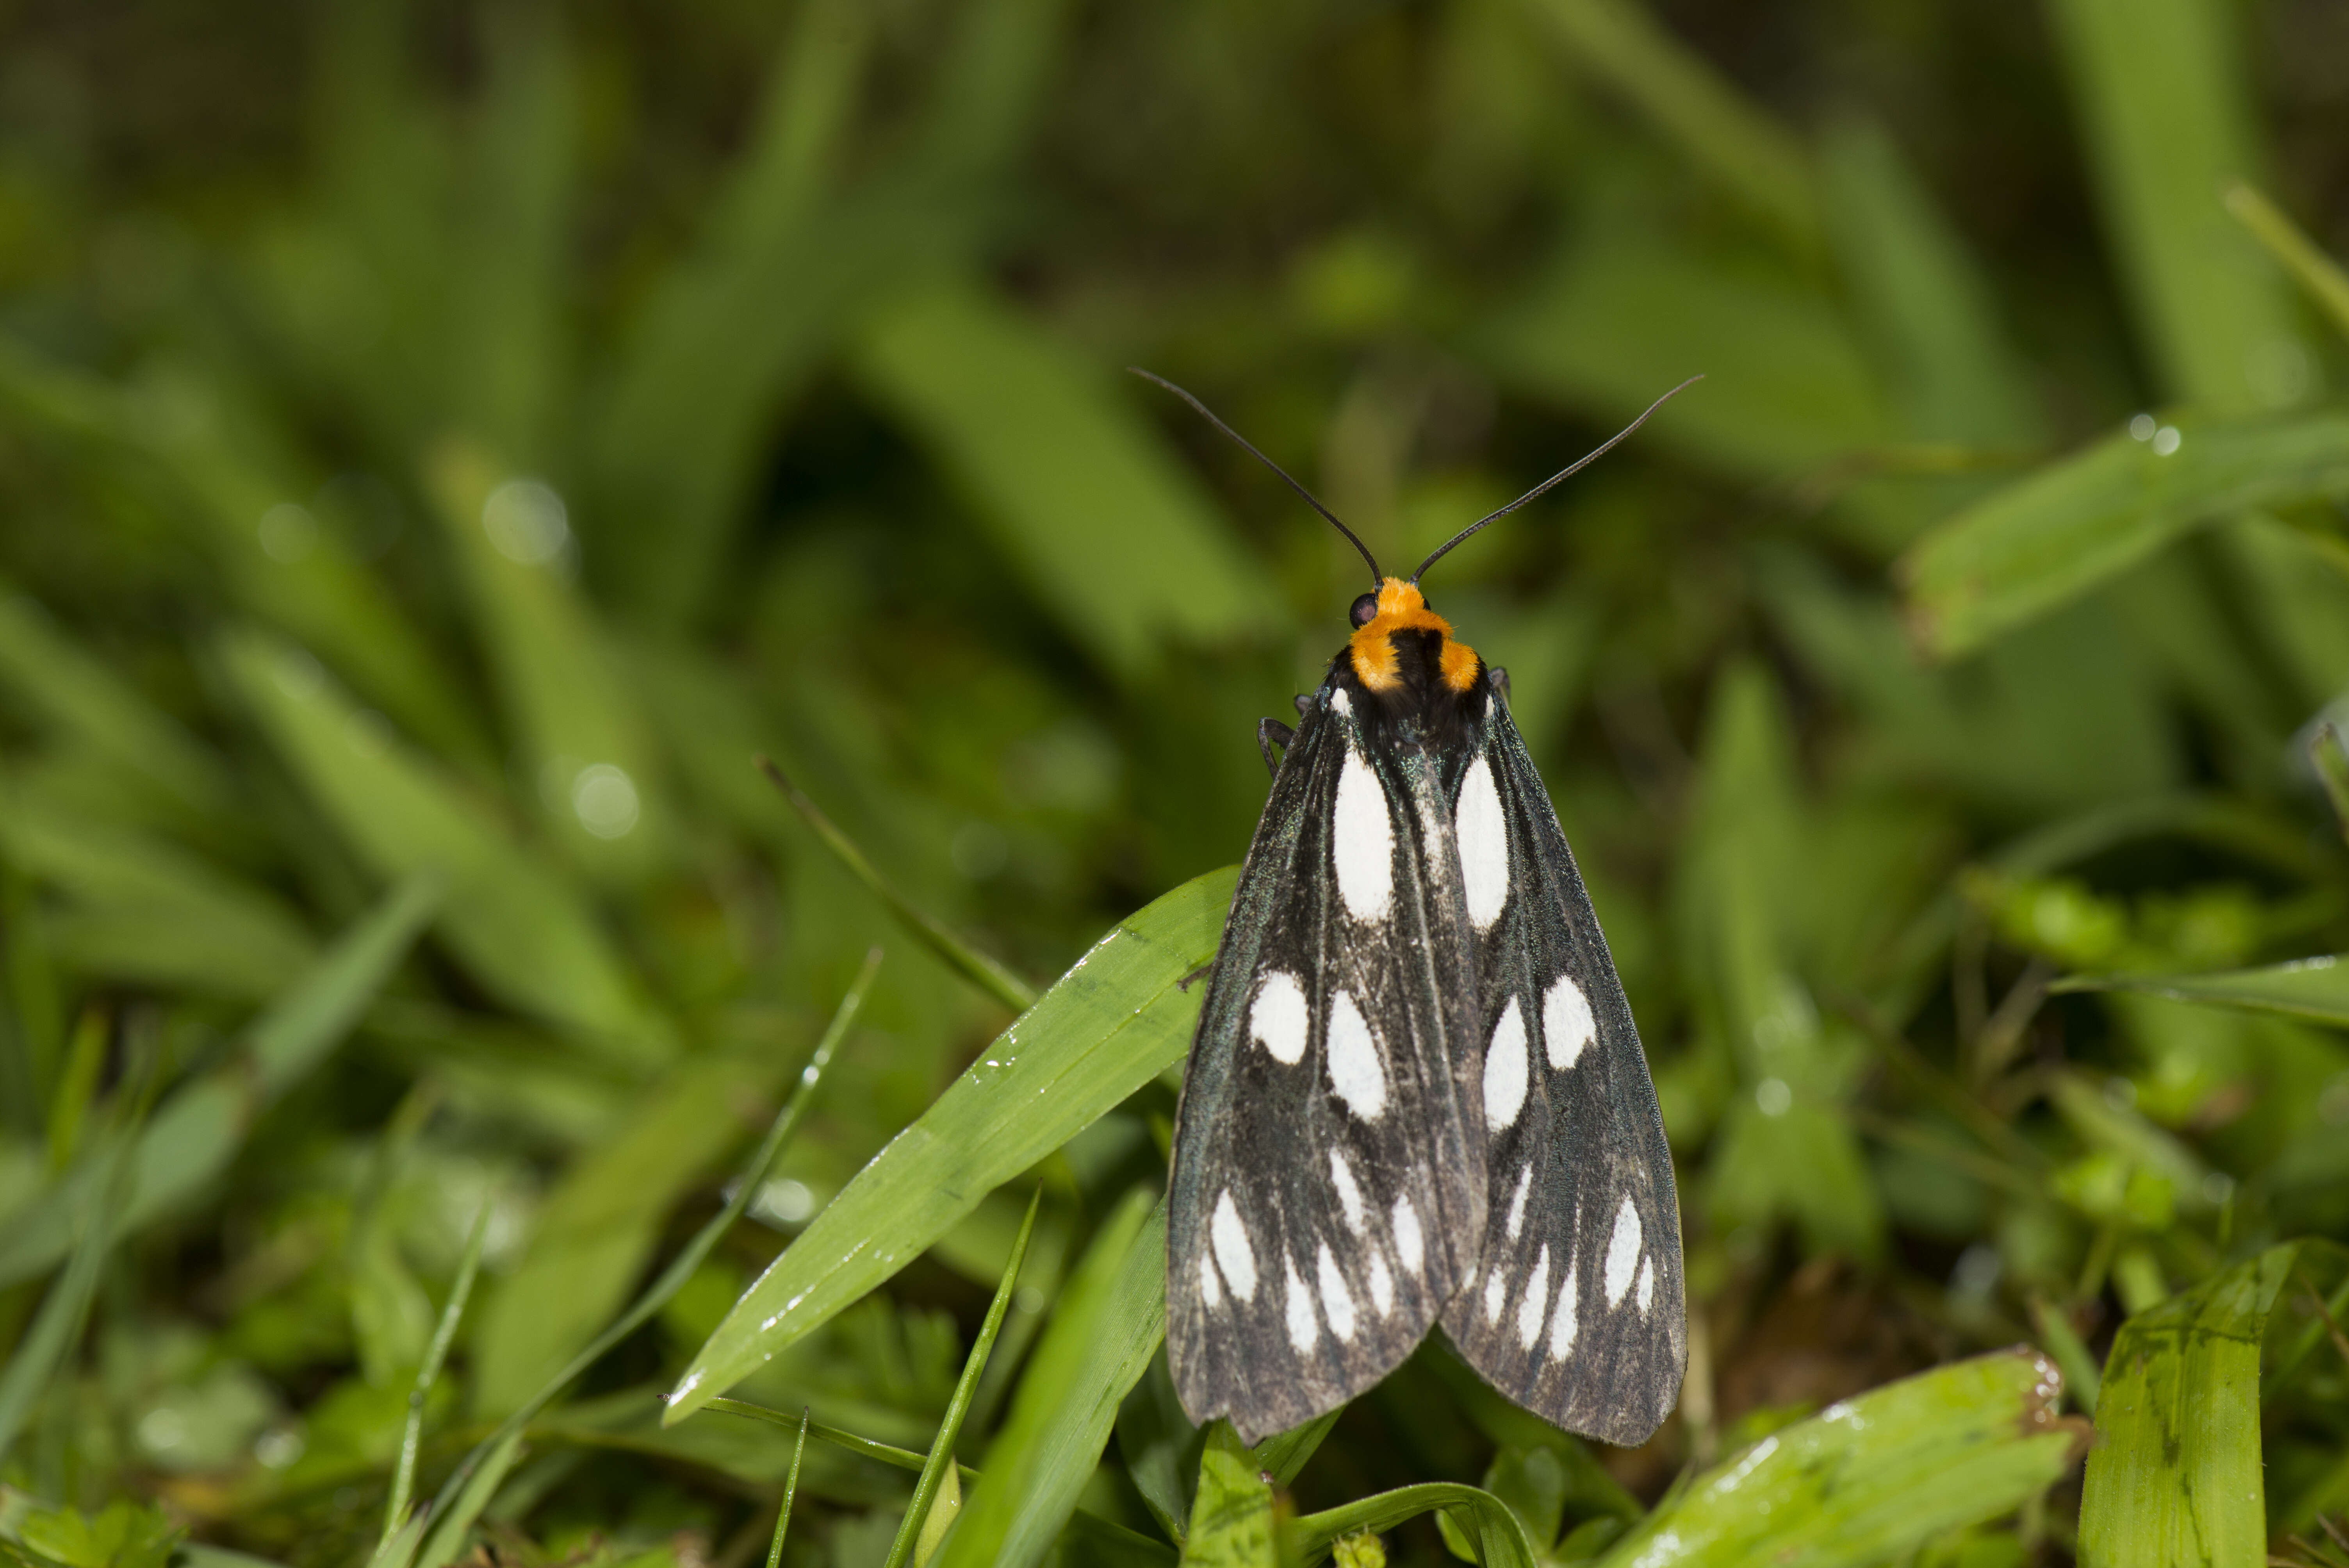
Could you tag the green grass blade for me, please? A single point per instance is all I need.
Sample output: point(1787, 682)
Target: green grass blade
point(1046, 446)
point(451, 1525)
point(518, 927)
point(689, 1258)
point(2316, 272)
point(1496, 1535)
point(57, 1325)
point(956, 954)
point(863, 1446)
point(1108, 1322)
point(1870, 1478)
point(2175, 1473)
point(790, 1491)
point(403, 1477)
point(936, 1470)
point(2160, 86)
point(1108, 1026)
point(2328, 751)
point(1748, 153)
point(2313, 988)
point(198, 1130)
point(1232, 1519)
point(2080, 521)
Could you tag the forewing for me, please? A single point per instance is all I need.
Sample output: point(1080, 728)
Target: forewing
point(1325, 1203)
point(1577, 1311)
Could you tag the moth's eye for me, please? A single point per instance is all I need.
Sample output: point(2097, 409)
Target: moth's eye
point(1365, 608)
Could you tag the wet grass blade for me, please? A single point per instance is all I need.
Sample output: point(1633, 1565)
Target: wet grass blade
point(934, 1477)
point(1114, 1022)
point(1108, 1322)
point(681, 1267)
point(2317, 272)
point(403, 1478)
point(790, 1491)
point(1492, 1530)
point(2083, 520)
point(2176, 1474)
point(956, 954)
point(1870, 1478)
point(2315, 988)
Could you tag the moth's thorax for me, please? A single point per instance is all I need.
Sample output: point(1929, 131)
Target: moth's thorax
point(1387, 659)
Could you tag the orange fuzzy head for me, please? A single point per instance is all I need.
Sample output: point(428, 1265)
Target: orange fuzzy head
point(1401, 607)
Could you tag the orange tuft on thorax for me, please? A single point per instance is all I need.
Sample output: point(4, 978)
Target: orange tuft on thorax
point(1402, 608)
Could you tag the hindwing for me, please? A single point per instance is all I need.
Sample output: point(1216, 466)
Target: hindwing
point(1328, 1190)
point(1575, 1311)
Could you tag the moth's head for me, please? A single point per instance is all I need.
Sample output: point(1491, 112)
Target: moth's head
point(1399, 606)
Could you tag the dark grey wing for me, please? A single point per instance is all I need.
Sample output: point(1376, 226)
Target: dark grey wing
point(1326, 1199)
point(1577, 1311)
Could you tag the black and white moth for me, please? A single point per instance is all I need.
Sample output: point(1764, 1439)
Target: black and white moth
point(1416, 1094)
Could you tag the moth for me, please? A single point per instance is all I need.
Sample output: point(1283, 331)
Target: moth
point(1416, 1094)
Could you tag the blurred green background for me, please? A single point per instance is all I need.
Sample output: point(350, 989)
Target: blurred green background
point(441, 445)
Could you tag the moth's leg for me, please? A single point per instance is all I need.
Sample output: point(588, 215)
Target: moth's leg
point(1500, 681)
point(1269, 733)
point(1304, 701)
point(1201, 972)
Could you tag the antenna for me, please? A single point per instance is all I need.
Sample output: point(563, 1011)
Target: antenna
point(1377, 577)
point(1565, 473)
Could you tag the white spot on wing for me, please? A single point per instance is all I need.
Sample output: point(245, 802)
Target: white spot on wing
point(1382, 1286)
point(1496, 1292)
point(1562, 1324)
point(1484, 845)
point(1341, 701)
point(1567, 1025)
point(1536, 1302)
point(1505, 1069)
point(1277, 1018)
point(1355, 1072)
point(1303, 1330)
point(1645, 1291)
point(1361, 841)
point(1517, 1220)
point(1622, 1252)
point(1409, 1248)
point(1336, 1299)
point(1233, 1254)
point(1211, 1289)
point(1350, 1196)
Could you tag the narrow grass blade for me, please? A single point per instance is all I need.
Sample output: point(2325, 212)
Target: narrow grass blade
point(681, 1268)
point(515, 924)
point(1869, 1478)
point(57, 1325)
point(863, 1446)
point(2081, 520)
point(1109, 1319)
point(199, 1128)
point(1046, 449)
point(451, 1525)
point(2160, 86)
point(936, 1476)
point(1116, 1020)
point(1753, 157)
point(2315, 988)
point(403, 1478)
point(1495, 1533)
point(2328, 749)
point(956, 955)
point(2176, 1474)
point(790, 1491)
point(400, 1549)
point(2081, 1380)
point(2317, 272)
point(1232, 1519)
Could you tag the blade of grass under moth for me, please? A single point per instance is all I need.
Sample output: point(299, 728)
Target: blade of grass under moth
point(927, 1488)
point(1495, 1531)
point(2314, 271)
point(791, 1491)
point(1114, 1021)
point(403, 1479)
point(964, 960)
point(1233, 1523)
point(680, 1269)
